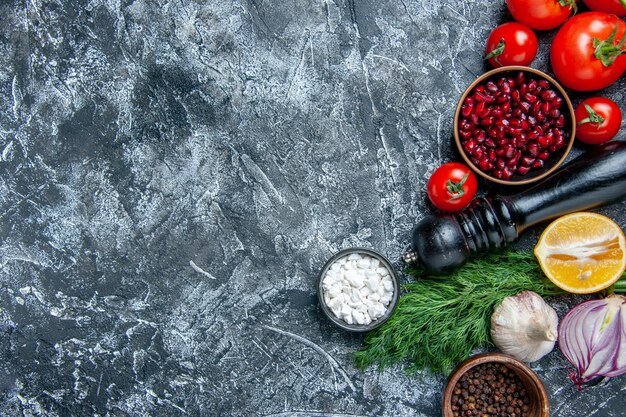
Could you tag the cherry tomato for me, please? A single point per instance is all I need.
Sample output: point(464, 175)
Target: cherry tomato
point(616, 7)
point(511, 44)
point(452, 186)
point(541, 14)
point(598, 119)
point(586, 54)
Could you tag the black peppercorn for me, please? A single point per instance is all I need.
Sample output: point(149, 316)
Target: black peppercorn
point(490, 390)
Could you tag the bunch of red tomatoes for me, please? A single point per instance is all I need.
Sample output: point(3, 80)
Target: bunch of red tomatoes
point(588, 53)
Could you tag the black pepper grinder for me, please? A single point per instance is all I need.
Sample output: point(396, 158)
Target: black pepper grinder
point(442, 242)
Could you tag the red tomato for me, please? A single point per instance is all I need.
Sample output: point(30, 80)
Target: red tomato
point(452, 186)
point(511, 44)
point(616, 7)
point(541, 14)
point(598, 119)
point(574, 55)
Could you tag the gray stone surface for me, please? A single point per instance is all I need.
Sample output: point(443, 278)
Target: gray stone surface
point(173, 175)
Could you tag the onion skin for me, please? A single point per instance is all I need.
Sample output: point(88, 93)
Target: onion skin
point(592, 336)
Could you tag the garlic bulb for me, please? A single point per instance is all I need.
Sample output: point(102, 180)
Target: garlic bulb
point(524, 326)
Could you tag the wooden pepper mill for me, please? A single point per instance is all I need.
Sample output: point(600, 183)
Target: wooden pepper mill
point(442, 242)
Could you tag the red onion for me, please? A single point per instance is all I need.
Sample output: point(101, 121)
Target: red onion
point(592, 336)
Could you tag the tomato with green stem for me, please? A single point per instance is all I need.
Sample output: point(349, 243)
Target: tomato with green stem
point(589, 52)
point(541, 14)
point(452, 186)
point(616, 7)
point(511, 43)
point(598, 119)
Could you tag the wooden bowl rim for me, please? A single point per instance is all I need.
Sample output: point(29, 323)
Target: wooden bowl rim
point(463, 367)
point(484, 77)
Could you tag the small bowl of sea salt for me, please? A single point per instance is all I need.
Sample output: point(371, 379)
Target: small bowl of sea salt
point(358, 289)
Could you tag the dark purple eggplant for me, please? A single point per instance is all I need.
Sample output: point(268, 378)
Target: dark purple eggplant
point(441, 242)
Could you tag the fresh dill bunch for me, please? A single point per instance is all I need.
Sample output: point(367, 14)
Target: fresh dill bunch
point(440, 320)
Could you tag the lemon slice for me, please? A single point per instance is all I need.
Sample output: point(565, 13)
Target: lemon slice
point(582, 252)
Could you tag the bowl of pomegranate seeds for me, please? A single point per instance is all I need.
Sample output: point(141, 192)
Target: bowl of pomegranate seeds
point(514, 125)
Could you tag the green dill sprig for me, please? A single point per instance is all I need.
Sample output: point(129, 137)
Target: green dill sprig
point(440, 320)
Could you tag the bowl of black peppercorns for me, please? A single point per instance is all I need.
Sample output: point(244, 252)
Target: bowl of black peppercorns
point(494, 384)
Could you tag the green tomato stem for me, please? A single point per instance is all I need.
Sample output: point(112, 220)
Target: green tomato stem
point(606, 50)
point(593, 117)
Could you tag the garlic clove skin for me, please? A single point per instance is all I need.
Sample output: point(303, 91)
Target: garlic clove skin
point(524, 326)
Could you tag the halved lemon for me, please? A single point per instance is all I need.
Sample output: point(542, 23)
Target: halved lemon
point(582, 252)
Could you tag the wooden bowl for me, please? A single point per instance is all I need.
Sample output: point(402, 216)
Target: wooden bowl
point(556, 159)
point(538, 399)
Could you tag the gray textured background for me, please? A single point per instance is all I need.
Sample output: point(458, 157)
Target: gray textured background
point(173, 175)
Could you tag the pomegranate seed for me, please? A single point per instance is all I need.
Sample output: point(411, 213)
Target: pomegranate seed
point(506, 88)
point(479, 151)
point(466, 125)
point(500, 152)
point(515, 122)
point(554, 113)
point(527, 161)
point(537, 164)
point(560, 121)
point(520, 78)
point(466, 110)
point(503, 98)
point(543, 84)
point(557, 102)
point(515, 95)
point(469, 146)
point(552, 148)
point(544, 155)
point(509, 151)
point(540, 117)
point(492, 155)
point(487, 121)
point(544, 141)
point(502, 142)
point(474, 118)
point(548, 95)
point(532, 120)
point(469, 102)
point(532, 135)
point(465, 134)
point(483, 164)
point(531, 98)
point(507, 173)
point(490, 143)
point(480, 107)
point(479, 136)
point(525, 106)
point(480, 89)
point(533, 148)
point(546, 108)
point(506, 107)
point(491, 86)
point(536, 107)
point(492, 133)
point(559, 142)
point(523, 90)
point(532, 85)
point(522, 170)
point(497, 112)
point(525, 125)
point(497, 173)
point(485, 113)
